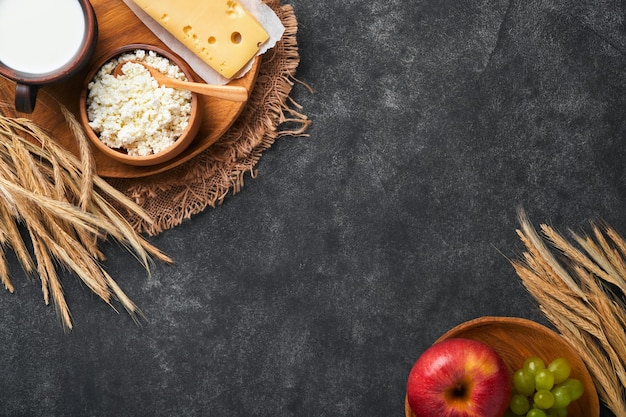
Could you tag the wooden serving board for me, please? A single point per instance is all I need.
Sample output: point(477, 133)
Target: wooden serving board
point(118, 26)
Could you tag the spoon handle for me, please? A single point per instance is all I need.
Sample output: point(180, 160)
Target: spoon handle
point(227, 92)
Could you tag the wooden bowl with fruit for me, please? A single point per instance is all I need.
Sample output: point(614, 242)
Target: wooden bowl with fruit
point(524, 347)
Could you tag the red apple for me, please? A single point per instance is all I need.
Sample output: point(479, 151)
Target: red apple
point(459, 378)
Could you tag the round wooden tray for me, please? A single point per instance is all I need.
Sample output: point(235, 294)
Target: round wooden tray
point(515, 339)
point(119, 26)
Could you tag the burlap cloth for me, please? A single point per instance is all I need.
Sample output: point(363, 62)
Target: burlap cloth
point(204, 181)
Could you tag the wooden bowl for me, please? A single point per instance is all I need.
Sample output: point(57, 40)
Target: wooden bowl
point(516, 339)
point(179, 145)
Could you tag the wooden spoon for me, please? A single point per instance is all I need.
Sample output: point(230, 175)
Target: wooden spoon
point(226, 92)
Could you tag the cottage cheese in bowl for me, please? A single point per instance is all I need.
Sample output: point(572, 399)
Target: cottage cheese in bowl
point(131, 111)
point(130, 118)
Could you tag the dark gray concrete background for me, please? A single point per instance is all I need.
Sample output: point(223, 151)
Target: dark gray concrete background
point(313, 290)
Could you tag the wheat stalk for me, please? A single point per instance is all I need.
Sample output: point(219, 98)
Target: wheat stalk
point(583, 294)
point(65, 210)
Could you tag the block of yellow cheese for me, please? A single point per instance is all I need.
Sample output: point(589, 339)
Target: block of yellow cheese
point(220, 32)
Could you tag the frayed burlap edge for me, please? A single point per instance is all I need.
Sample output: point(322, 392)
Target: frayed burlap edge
point(206, 180)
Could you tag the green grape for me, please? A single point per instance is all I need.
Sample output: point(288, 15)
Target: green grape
point(524, 382)
point(544, 380)
point(575, 388)
point(543, 391)
point(562, 397)
point(561, 369)
point(535, 412)
point(557, 412)
point(543, 399)
point(519, 404)
point(533, 364)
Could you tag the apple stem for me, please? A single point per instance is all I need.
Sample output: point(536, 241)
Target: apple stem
point(459, 391)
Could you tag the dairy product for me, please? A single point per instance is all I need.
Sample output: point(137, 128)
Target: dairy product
point(132, 112)
point(40, 36)
point(220, 32)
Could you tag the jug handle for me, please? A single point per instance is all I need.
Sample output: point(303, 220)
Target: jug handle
point(25, 97)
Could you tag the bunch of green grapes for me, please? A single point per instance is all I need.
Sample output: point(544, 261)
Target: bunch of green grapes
point(544, 391)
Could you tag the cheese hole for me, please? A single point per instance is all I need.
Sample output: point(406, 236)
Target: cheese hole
point(235, 38)
point(212, 40)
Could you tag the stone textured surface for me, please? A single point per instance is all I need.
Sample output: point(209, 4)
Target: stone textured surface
point(313, 290)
